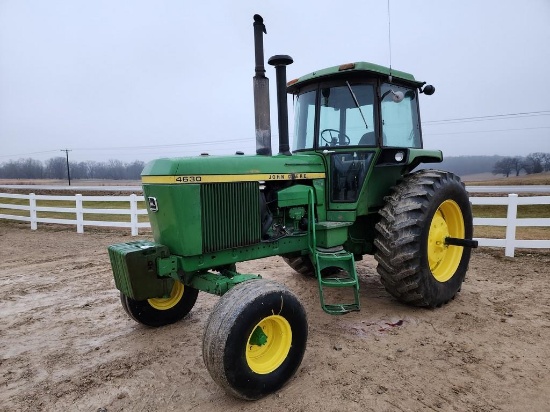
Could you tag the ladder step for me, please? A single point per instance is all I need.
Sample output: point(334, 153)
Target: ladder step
point(341, 255)
point(338, 282)
point(340, 309)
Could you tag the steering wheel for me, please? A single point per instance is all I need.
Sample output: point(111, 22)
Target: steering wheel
point(333, 141)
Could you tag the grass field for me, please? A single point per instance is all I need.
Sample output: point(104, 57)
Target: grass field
point(534, 179)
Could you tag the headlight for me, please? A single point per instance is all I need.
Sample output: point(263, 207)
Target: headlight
point(399, 156)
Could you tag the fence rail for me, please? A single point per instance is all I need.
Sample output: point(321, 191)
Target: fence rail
point(509, 243)
point(511, 222)
point(78, 210)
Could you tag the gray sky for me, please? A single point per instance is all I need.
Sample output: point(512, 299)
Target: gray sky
point(145, 79)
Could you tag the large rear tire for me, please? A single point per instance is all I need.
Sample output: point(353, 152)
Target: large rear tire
point(415, 264)
point(255, 339)
point(304, 266)
point(161, 311)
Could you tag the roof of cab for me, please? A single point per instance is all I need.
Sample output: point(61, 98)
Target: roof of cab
point(346, 69)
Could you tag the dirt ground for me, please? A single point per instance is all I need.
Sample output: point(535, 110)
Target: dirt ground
point(66, 344)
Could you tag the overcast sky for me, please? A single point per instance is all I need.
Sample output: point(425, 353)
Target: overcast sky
point(144, 79)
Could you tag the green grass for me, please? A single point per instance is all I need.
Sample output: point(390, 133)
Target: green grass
point(524, 211)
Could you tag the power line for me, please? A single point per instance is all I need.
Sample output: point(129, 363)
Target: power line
point(157, 147)
point(28, 154)
point(162, 146)
point(490, 117)
point(487, 131)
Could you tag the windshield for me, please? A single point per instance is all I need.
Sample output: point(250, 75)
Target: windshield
point(346, 117)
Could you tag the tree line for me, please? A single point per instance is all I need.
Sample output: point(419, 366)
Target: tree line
point(56, 168)
point(532, 163)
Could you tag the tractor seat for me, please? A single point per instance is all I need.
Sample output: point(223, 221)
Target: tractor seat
point(368, 139)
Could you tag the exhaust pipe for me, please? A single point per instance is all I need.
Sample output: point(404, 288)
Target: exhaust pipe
point(280, 62)
point(261, 92)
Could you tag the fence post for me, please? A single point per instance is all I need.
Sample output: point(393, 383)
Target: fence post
point(511, 225)
point(133, 214)
point(79, 214)
point(32, 211)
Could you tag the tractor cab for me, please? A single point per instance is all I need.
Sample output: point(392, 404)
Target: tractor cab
point(357, 116)
point(356, 112)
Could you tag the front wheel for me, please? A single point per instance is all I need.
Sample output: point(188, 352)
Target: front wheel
point(415, 263)
point(161, 311)
point(255, 339)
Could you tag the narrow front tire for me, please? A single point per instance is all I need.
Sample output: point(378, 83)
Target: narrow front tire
point(157, 312)
point(255, 339)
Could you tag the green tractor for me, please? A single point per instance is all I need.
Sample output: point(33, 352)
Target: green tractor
point(347, 189)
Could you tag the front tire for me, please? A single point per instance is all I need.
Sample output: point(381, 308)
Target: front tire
point(161, 311)
point(414, 263)
point(255, 339)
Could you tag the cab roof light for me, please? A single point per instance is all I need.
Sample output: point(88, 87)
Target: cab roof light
point(347, 66)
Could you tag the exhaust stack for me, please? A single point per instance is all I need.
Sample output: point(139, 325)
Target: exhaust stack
point(280, 62)
point(261, 92)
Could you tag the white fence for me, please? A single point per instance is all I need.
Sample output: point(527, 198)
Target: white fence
point(79, 211)
point(511, 222)
point(509, 243)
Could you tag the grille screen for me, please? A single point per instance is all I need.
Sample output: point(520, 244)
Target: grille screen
point(230, 215)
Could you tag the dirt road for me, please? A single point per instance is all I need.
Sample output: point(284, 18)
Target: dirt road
point(67, 345)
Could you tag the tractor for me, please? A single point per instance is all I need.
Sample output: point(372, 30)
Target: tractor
point(348, 188)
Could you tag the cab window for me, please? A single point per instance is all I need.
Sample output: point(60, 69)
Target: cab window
point(304, 120)
point(399, 111)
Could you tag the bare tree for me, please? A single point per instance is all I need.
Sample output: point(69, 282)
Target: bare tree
point(546, 162)
point(504, 167)
point(56, 168)
point(534, 163)
point(517, 161)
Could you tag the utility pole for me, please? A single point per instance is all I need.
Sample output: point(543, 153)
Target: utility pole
point(68, 171)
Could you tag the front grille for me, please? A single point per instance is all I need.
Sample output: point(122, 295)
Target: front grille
point(230, 215)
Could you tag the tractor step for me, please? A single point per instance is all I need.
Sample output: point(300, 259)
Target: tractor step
point(342, 309)
point(343, 260)
point(338, 282)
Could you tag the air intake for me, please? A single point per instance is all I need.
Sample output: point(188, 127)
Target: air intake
point(230, 215)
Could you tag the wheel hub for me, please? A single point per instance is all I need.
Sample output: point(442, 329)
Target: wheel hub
point(269, 344)
point(438, 232)
point(443, 258)
point(169, 302)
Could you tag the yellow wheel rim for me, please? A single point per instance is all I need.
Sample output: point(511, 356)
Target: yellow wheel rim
point(446, 222)
point(170, 302)
point(269, 344)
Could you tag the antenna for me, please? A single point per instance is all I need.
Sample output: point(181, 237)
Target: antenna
point(389, 36)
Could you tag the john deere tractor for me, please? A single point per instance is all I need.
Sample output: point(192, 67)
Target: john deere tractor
point(348, 188)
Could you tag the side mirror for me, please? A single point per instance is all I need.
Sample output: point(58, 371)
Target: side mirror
point(397, 96)
point(428, 90)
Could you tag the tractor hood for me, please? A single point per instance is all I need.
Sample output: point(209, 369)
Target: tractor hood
point(238, 168)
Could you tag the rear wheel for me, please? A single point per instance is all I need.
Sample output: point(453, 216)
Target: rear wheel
point(161, 311)
point(304, 266)
point(255, 339)
point(415, 263)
